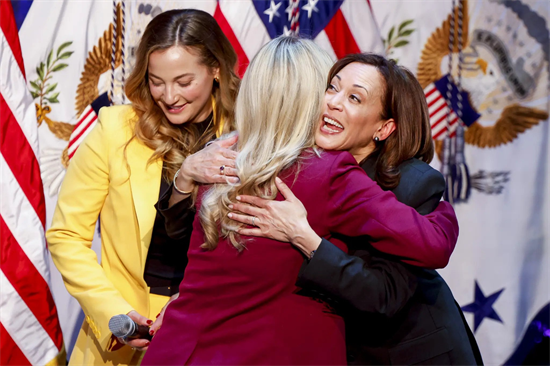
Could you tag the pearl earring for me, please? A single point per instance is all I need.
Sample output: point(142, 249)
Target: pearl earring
point(376, 138)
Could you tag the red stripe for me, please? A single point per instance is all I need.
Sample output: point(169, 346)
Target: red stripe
point(11, 354)
point(433, 113)
point(340, 36)
point(228, 31)
point(443, 118)
point(439, 121)
point(435, 101)
point(74, 139)
point(439, 133)
point(9, 28)
point(431, 91)
point(443, 130)
point(82, 118)
point(21, 159)
point(29, 284)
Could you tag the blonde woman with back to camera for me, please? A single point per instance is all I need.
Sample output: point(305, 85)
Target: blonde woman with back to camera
point(238, 304)
point(182, 91)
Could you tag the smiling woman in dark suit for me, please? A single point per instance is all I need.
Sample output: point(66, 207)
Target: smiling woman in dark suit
point(395, 313)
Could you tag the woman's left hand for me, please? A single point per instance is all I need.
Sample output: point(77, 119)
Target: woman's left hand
point(158, 322)
point(284, 221)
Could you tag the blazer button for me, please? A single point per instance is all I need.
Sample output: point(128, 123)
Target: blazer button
point(351, 357)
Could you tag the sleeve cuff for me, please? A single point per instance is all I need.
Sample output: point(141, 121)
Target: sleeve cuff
point(314, 272)
point(177, 209)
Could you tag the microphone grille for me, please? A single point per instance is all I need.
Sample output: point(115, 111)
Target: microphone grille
point(121, 325)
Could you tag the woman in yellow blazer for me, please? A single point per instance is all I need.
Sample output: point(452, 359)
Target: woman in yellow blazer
point(182, 88)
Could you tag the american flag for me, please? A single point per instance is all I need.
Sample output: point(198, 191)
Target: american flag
point(29, 326)
point(339, 27)
point(443, 118)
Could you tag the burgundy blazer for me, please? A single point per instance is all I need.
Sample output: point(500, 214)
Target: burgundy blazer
point(244, 308)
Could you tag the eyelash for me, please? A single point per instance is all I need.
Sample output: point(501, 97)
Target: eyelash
point(352, 97)
point(180, 84)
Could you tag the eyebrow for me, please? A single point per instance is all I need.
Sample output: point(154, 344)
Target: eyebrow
point(176, 78)
point(355, 85)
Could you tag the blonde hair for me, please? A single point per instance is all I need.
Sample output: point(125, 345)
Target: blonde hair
point(277, 111)
point(198, 32)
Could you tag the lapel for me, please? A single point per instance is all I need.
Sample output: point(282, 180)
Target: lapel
point(145, 187)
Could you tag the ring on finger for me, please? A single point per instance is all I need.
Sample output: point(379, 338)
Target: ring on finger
point(253, 219)
point(222, 170)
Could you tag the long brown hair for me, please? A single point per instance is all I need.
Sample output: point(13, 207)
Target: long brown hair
point(403, 100)
point(199, 31)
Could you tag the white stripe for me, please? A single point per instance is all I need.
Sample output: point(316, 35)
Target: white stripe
point(442, 112)
point(81, 126)
point(434, 107)
point(323, 41)
point(246, 24)
point(362, 25)
point(22, 220)
point(435, 95)
point(73, 145)
point(77, 143)
point(23, 327)
point(438, 128)
point(443, 126)
point(429, 88)
point(14, 90)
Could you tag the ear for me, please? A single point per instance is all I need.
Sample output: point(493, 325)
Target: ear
point(216, 72)
point(386, 129)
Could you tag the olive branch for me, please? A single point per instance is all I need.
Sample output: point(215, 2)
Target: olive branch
point(398, 40)
point(42, 89)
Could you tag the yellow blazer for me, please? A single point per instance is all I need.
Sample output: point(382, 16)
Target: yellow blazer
point(118, 185)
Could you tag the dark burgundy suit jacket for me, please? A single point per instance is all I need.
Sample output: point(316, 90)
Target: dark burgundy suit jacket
point(395, 314)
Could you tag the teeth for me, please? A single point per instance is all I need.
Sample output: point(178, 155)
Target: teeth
point(330, 121)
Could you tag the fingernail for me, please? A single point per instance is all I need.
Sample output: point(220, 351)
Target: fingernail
point(158, 315)
point(147, 343)
point(230, 215)
point(238, 198)
point(151, 332)
point(149, 322)
point(230, 207)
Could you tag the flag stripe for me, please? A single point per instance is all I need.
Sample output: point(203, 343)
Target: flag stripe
point(323, 41)
point(23, 327)
point(228, 31)
point(28, 283)
point(13, 88)
point(340, 36)
point(84, 127)
point(363, 26)
point(21, 220)
point(9, 28)
point(15, 149)
point(11, 354)
point(80, 124)
point(247, 26)
point(72, 150)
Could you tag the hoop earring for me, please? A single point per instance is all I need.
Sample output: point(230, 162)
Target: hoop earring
point(217, 80)
point(376, 138)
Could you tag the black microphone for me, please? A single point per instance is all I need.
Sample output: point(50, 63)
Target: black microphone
point(122, 326)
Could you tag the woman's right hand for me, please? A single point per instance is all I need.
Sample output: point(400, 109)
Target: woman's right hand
point(279, 220)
